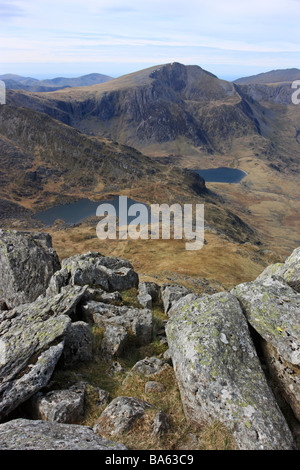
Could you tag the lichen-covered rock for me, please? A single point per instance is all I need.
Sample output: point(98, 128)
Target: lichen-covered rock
point(170, 293)
point(272, 307)
point(78, 344)
point(291, 270)
point(137, 322)
point(120, 415)
point(33, 335)
point(27, 262)
point(285, 376)
point(67, 302)
point(23, 434)
point(96, 271)
point(272, 270)
point(61, 406)
point(220, 376)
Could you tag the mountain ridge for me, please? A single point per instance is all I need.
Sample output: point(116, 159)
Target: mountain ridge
point(156, 105)
point(17, 82)
point(272, 76)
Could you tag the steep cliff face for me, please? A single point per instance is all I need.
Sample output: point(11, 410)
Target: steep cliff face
point(156, 105)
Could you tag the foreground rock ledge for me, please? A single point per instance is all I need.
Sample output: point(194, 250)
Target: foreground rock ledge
point(219, 374)
point(23, 434)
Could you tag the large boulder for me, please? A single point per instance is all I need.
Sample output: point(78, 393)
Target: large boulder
point(96, 271)
point(33, 339)
point(219, 374)
point(272, 308)
point(23, 434)
point(27, 262)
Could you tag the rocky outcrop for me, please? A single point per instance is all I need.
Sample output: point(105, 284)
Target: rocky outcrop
point(219, 373)
point(224, 348)
point(96, 271)
point(27, 262)
point(23, 434)
point(137, 322)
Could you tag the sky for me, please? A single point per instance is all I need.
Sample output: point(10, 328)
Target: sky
point(230, 38)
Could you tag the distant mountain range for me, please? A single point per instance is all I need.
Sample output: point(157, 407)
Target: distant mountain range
point(274, 76)
point(17, 82)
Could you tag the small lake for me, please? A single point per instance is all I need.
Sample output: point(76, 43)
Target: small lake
point(222, 175)
point(75, 212)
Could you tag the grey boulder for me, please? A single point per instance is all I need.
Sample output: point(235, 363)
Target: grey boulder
point(219, 374)
point(96, 271)
point(289, 270)
point(272, 307)
point(27, 262)
point(61, 406)
point(78, 344)
point(33, 342)
point(148, 294)
point(120, 415)
point(170, 293)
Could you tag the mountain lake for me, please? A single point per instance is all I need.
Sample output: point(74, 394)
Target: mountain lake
point(222, 175)
point(75, 212)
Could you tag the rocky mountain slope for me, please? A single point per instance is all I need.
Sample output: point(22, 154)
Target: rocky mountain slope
point(75, 369)
point(44, 162)
point(156, 105)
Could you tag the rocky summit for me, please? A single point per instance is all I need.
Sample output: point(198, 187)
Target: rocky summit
point(93, 358)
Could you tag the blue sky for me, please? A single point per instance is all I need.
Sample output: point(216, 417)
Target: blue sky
point(230, 38)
